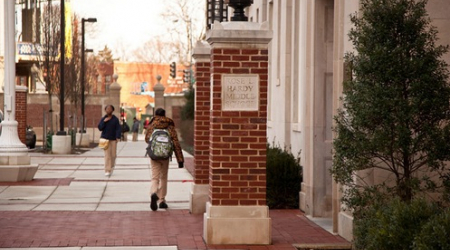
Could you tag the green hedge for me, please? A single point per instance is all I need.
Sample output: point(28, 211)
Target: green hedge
point(284, 175)
point(435, 234)
point(417, 225)
point(187, 135)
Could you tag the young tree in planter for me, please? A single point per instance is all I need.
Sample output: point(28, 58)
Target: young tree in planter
point(51, 34)
point(396, 111)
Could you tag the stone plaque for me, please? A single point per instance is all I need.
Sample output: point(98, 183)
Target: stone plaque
point(240, 92)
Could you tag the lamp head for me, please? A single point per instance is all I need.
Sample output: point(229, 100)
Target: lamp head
point(91, 20)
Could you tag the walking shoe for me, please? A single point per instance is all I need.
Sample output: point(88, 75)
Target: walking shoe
point(153, 199)
point(107, 174)
point(163, 205)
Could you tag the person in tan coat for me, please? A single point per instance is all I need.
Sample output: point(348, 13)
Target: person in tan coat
point(160, 168)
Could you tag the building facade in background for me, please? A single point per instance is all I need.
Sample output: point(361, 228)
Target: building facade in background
point(30, 73)
point(306, 71)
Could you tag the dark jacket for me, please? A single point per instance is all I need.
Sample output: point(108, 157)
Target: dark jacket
point(162, 122)
point(135, 127)
point(111, 129)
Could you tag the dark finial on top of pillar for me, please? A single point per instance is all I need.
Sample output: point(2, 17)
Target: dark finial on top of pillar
point(239, 6)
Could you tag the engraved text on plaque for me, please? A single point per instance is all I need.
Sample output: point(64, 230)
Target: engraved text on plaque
point(240, 92)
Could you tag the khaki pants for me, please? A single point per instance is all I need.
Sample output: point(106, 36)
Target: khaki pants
point(160, 169)
point(110, 156)
point(125, 135)
point(135, 135)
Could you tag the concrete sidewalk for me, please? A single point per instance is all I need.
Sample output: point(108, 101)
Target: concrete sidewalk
point(83, 186)
point(71, 205)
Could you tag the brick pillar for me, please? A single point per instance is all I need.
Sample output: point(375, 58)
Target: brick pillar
point(237, 212)
point(21, 112)
point(200, 188)
point(114, 95)
point(159, 94)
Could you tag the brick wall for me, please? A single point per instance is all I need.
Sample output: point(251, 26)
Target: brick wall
point(201, 122)
point(21, 114)
point(238, 138)
point(35, 115)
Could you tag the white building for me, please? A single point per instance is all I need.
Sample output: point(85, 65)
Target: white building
point(305, 83)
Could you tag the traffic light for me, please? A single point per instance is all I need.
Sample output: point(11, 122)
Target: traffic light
point(173, 70)
point(186, 75)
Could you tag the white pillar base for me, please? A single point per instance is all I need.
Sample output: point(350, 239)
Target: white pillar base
point(10, 144)
point(16, 173)
point(61, 144)
point(82, 139)
point(198, 197)
point(16, 168)
point(237, 225)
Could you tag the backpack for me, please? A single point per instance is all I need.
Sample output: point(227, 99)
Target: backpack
point(160, 146)
point(125, 128)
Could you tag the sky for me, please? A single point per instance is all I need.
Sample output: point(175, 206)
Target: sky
point(125, 25)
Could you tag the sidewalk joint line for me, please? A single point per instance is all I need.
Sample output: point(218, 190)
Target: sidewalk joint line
point(42, 202)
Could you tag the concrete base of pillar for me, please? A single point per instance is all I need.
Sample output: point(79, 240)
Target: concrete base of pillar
point(345, 226)
point(16, 168)
point(61, 144)
point(198, 197)
point(16, 173)
point(82, 139)
point(237, 225)
point(13, 160)
point(302, 198)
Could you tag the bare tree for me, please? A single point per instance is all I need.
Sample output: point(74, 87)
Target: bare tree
point(121, 51)
point(182, 33)
point(73, 72)
point(156, 51)
point(51, 31)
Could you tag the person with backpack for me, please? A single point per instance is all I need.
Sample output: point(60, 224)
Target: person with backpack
point(162, 140)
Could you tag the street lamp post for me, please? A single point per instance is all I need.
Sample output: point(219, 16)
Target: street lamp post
point(10, 143)
point(83, 51)
point(62, 64)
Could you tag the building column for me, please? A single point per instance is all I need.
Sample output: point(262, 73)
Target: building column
point(237, 212)
point(200, 187)
point(14, 158)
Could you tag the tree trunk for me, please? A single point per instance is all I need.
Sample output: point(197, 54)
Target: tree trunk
point(50, 110)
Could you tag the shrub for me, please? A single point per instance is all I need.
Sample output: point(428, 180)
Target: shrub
point(391, 225)
point(187, 135)
point(435, 233)
point(284, 175)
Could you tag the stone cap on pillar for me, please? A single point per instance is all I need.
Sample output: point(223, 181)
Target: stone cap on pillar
point(158, 86)
point(21, 88)
point(115, 85)
point(202, 51)
point(234, 33)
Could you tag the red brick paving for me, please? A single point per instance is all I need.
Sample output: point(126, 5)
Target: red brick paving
point(162, 228)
